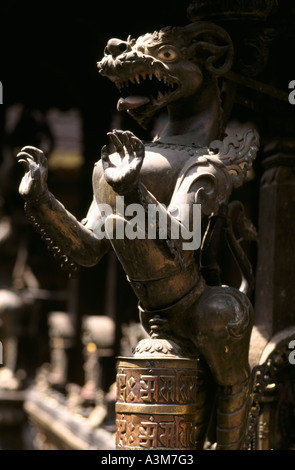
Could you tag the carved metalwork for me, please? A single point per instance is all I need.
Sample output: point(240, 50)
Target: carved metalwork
point(161, 404)
point(191, 162)
point(273, 395)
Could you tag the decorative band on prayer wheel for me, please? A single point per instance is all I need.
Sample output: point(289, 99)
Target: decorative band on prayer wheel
point(161, 404)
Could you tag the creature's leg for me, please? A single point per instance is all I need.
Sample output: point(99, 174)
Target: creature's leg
point(223, 321)
point(232, 414)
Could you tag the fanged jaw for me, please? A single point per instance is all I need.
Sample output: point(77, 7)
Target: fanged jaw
point(154, 87)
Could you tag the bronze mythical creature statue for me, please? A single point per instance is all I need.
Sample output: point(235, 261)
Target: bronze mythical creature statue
point(178, 68)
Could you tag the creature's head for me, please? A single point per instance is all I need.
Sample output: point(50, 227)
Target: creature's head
point(159, 69)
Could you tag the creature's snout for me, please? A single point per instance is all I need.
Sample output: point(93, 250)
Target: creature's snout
point(116, 47)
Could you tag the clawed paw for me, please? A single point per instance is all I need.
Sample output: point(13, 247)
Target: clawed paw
point(34, 182)
point(122, 174)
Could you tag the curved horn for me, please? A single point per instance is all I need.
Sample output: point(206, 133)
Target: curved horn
point(214, 40)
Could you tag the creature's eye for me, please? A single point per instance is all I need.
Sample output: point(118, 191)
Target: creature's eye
point(167, 53)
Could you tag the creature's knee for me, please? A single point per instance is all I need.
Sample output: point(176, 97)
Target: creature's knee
point(224, 312)
point(222, 327)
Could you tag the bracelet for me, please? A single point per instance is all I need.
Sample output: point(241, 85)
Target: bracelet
point(64, 261)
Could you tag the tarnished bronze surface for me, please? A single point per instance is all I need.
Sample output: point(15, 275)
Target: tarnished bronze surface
point(161, 404)
point(191, 162)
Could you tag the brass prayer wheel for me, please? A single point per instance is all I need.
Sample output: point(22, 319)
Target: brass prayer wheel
point(161, 404)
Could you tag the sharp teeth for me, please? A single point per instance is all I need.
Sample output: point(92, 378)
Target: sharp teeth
point(137, 78)
point(158, 75)
point(160, 95)
point(143, 74)
point(132, 80)
point(150, 76)
point(165, 79)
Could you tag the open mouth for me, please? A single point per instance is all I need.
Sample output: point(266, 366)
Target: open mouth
point(153, 87)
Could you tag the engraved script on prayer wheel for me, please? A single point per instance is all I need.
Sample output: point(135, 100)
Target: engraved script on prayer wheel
point(159, 404)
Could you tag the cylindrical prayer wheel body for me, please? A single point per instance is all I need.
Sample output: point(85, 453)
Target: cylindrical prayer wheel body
point(161, 404)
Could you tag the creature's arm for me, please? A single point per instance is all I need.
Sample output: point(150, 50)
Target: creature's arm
point(54, 221)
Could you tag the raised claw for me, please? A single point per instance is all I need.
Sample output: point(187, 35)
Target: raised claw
point(138, 146)
point(122, 174)
point(33, 152)
point(126, 139)
point(114, 137)
point(33, 183)
point(28, 162)
point(23, 161)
